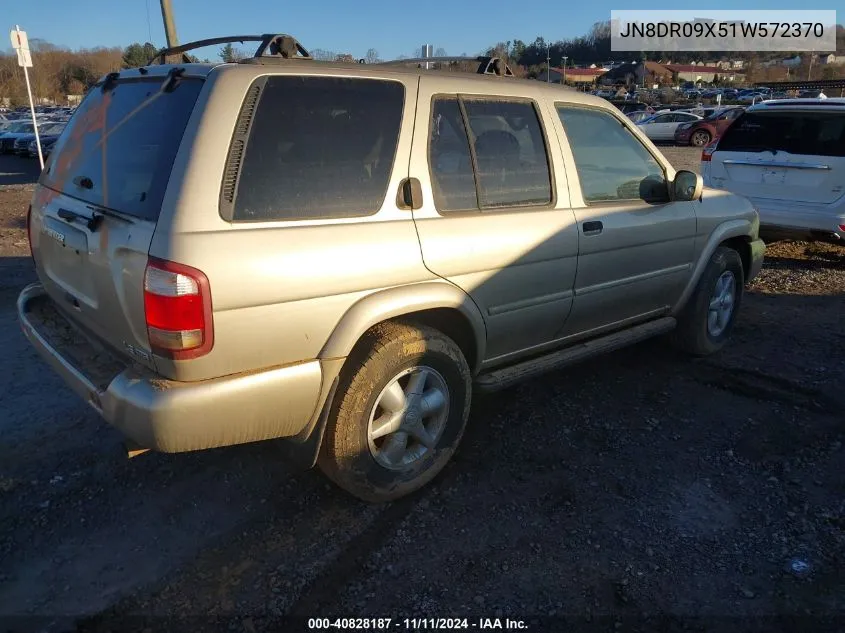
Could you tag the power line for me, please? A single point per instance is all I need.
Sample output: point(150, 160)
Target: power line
point(149, 24)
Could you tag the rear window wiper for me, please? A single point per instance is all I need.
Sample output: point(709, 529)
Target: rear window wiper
point(93, 223)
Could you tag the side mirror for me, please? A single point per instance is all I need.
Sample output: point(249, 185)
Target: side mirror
point(687, 186)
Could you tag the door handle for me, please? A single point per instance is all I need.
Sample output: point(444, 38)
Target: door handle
point(409, 196)
point(593, 228)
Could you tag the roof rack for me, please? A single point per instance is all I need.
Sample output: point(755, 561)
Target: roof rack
point(278, 45)
point(486, 65)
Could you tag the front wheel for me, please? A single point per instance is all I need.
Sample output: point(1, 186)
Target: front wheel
point(700, 138)
point(706, 322)
point(401, 409)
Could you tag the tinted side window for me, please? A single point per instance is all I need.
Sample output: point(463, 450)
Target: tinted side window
point(453, 181)
point(509, 154)
point(612, 164)
point(513, 169)
point(319, 147)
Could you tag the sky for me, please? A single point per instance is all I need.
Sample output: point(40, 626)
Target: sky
point(393, 28)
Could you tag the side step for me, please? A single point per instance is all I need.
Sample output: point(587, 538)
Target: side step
point(508, 376)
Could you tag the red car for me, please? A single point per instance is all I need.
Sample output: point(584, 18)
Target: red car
point(701, 133)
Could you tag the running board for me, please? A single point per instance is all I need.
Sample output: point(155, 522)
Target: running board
point(507, 376)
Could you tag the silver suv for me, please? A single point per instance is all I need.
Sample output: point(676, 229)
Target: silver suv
point(340, 255)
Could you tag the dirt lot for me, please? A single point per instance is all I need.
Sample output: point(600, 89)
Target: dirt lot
point(638, 491)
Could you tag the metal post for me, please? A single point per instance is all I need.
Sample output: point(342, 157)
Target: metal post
point(169, 24)
point(32, 112)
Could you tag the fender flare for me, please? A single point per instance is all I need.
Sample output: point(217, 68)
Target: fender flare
point(398, 301)
point(725, 231)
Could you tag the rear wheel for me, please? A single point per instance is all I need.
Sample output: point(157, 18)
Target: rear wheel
point(401, 410)
point(700, 138)
point(706, 322)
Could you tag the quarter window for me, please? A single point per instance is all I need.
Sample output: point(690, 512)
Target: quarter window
point(613, 165)
point(502, 139)
point(319, 147)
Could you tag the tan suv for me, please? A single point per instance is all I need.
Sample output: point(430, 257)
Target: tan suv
point(339, 255)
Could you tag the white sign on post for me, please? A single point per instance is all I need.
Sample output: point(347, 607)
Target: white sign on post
point(20, 43)
point(24, 57)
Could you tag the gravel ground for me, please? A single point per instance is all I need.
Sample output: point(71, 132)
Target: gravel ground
point(640, 490)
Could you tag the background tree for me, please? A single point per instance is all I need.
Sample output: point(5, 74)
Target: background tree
point(136, 54)
point(372, 56)
point(231, 53)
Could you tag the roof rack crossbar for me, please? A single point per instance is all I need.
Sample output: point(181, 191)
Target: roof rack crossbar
point(486, 65)
point(278, 44)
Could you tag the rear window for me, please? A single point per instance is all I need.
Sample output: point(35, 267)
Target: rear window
point(118, 149)
point(810, 133)
point(318, 148)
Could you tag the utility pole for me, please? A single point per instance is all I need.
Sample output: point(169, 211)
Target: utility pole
point(564, 69)
point(810, 69)
point(548, 63)
point(169, 24)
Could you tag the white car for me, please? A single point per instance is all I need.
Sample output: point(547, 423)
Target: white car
point(661, 127)
point(787, 157)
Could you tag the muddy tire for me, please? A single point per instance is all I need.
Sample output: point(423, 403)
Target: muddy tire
point(700, 138)
point(706, 322)
point(401, 408)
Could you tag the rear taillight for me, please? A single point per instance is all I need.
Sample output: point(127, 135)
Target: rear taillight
point(842, 227)
point(707, 152)
point(177, 305)
point(29, 230)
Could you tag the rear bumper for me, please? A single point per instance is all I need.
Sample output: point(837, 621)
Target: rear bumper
point(801, 220)
point(683, 136)
point(166, 415)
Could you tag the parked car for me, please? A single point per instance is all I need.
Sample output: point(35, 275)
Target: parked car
point(788, 158)
point(238, 265)
point(701, 133)
point(47, 142)
point(640, 115)
point(661, 127)
point(701, 111)
point(21, 145)
point(752, 97)
point(15, 131)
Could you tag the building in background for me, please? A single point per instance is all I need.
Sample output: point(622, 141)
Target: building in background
point(578, 76)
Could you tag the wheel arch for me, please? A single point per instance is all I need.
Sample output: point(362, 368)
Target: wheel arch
point(735, 234)
point(438, 304)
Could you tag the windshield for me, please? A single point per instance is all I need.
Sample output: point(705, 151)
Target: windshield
point(121, 144)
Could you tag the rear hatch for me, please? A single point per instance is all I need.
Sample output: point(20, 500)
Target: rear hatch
point(777, 153)
point(98, 201)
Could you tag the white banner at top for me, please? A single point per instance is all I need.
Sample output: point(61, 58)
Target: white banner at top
point(723, 30)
